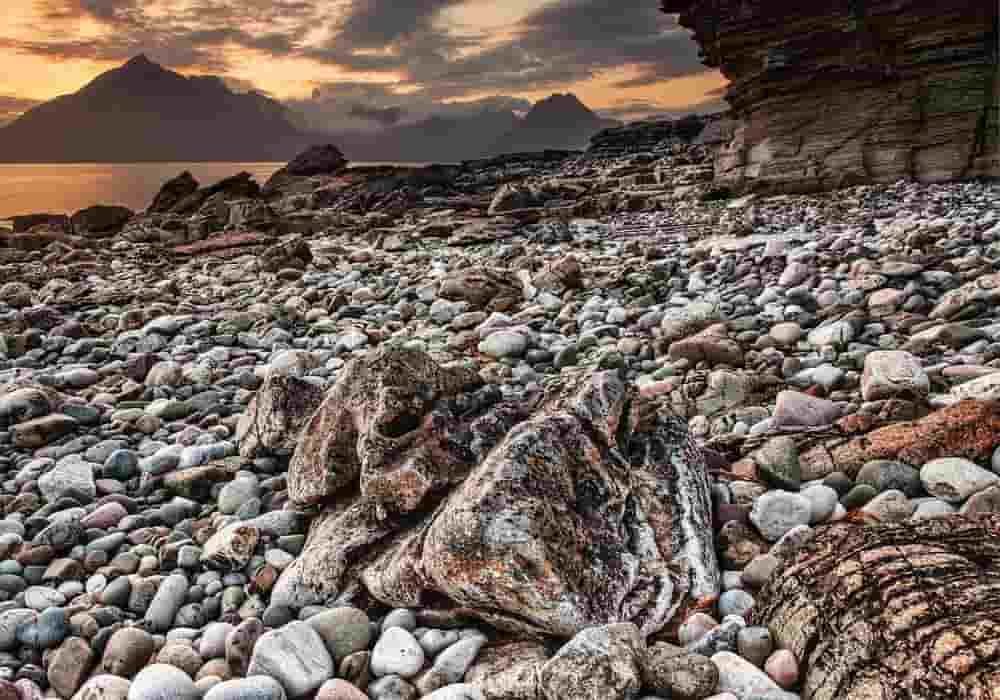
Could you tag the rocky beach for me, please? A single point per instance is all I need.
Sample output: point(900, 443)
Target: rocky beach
point(550, 425)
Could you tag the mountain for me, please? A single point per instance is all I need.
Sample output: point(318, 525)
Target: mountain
point(141, 111)
point(558, 122)
point(144, 112)
point(435, 139)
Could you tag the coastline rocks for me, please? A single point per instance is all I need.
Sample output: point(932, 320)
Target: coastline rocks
point(100, 221)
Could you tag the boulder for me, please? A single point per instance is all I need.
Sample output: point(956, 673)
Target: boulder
point(295, 254)
point(857, 597)
point(597, 664)
point(482, 287)
point(100, 221)
point(969, 429)
point(589, 508)
point(317, 160)
point(172, 192)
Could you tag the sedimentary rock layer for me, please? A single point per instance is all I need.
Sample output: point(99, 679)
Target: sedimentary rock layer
point(893, 612)
point(835, 92)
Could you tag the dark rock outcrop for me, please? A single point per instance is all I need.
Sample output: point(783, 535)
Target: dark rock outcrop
point(589, 508)
point(834, 93)
point(892, 612)
point(100, 221)
point(172, 192)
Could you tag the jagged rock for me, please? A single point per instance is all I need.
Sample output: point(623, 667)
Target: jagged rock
point(844, 93)
point(275, 416)
point(172, 192)
point(445, 497)
point(560, 275)
point(892, 611)
point(509, 671)
point(100, 221)
point(598, 663)
point(295, 254)
point(482, 288)
point(317, 160)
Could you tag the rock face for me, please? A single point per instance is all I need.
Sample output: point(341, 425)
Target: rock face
point(590, 508)
point(832, 93)
point(892, 612)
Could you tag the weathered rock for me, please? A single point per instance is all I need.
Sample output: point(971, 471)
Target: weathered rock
point(969, 429)
point(673, 672)
point(272, 422)
point(100, 221)
point(482, 287)
point(816, 116)
point(172, 192)
point(294, 254)
point(893, 374)
point(508, 671)
point(598, 663)
point(521, 573)
point(839, 604)
point(317, 160)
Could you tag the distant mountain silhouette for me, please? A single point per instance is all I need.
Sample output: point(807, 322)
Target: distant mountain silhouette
point(143, 112)
point(440, 139)
point(558, 122)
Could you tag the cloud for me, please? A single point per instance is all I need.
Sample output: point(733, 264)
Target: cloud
point(344, 106)
point(387, 116)
point(408, 45)
point(12, 107)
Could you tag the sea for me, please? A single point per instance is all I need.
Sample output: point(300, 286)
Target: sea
point(63, 188)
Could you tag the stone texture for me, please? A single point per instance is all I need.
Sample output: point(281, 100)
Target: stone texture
point(275, 416)
point(969, 429)
point(597, 664)
point(842, 93)
point(536, 535)
point(889, 611)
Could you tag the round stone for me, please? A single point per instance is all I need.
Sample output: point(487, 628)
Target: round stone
point(397, 653)
point(162, 682)
point(252, 688)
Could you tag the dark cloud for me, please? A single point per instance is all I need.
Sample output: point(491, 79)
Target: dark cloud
point(334, 106)
point(375, 23)
point(563, 42)
point(387, 116)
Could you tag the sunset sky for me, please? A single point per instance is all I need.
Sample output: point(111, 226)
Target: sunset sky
point(623, 57)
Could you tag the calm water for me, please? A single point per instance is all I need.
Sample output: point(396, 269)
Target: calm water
point(68, 187)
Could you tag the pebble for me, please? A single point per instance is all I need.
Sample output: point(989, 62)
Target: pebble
point(777, 512)
point(295, 656)
point(162, 682)
point(397, 653)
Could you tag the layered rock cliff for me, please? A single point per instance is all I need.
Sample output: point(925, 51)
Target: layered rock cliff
point(832, 92)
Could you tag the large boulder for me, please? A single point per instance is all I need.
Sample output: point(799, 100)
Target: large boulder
point(482, 287)
point(172, 192)
point(100, 220)
point(317, 160)
point(326, 159)
point(590, 508)
point(892, 611)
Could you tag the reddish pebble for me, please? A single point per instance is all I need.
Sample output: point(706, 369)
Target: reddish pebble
point(783, 669)
point(338, 689)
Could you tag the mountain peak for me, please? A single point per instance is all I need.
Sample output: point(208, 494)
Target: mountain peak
point(140, 60)
point(560, 108)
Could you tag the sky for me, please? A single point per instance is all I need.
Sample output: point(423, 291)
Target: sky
point(373, 62)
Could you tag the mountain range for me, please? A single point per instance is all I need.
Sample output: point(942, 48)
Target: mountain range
point(141, 111)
